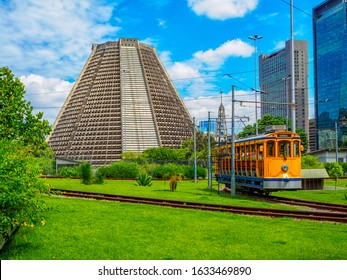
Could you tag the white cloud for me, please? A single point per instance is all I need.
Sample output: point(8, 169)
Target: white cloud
point(52, 38)
point(193, 76)
point(188, 76)
point(46, 94)
point(182, 71)
point(215, 58)
point(222, 9)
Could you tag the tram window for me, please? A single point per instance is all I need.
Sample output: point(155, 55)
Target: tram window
point(247, 152)
point(260, 152)
point(237, 153)
point(270, 149)
point(253, 155)
point(296, 148)
point(284, 148)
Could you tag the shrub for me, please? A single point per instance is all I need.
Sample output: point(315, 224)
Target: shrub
point(86, 173)
point(334, 169)
point(120, 169)
point(309, 161)
point(20, 188)
point(46, 161)
point(144, 180)
point(167, 170)
point(344, 167)
point(70, 171)
point(99, 178)
point(189, 172)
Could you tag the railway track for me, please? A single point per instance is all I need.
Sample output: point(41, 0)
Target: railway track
point(296, 214)
point(310, 204)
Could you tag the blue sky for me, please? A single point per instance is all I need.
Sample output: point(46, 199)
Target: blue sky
point(46, 43)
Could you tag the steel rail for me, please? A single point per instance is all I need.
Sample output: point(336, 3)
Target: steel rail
point(299, 202)
point(296, 214)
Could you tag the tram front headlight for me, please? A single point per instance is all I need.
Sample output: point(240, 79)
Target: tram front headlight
point(285, 167)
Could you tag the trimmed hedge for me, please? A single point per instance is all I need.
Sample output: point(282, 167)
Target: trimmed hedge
point(120, 170)
point(167, 170)
point(70, 171)
point(125, 169)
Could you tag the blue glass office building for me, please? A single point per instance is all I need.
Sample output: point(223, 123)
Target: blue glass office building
point(203, 126)
point(330, 66)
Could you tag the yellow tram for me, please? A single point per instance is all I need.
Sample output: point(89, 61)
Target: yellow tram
point(264, 163)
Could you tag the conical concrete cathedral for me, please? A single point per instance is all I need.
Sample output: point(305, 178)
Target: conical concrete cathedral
point(122, 101)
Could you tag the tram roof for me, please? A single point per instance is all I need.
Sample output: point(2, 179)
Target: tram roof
point(266, 136)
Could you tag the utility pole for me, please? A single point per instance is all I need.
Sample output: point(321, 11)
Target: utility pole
point(336, 143)
point(194, 137)
point(255, 38)
point(232, 180)
point(209, 185)
point(292, 63)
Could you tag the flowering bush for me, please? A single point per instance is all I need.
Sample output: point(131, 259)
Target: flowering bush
point(20, 188)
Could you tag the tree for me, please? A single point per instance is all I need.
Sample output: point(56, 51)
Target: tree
point(267, 120)
point(22, 135)
point(201, 145)
point(20, 188)
point(17, 121)
point(334, 170)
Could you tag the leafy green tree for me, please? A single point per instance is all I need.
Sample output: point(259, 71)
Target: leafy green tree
point(334, 170)
point(22, 134)
point(201, 145)
point(20, 188)
point(17, 120)
point(267, 120)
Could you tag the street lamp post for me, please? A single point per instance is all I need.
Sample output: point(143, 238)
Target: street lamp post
point(209, 184)
point(255, 38)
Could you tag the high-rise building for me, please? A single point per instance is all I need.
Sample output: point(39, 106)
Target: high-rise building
point(203, 126)
point(330, 71)
point(275, 84)
point(123, 100)
point(313, 135)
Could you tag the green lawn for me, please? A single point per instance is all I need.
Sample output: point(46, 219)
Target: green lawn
point(190, 191)
point(84, 229)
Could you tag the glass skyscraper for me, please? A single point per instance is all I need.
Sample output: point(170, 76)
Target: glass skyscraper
point(203, 126)
point(330, 66)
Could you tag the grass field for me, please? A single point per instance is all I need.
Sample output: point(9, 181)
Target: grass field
point(83, 229)
point(190, 191)
point(78, 229)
